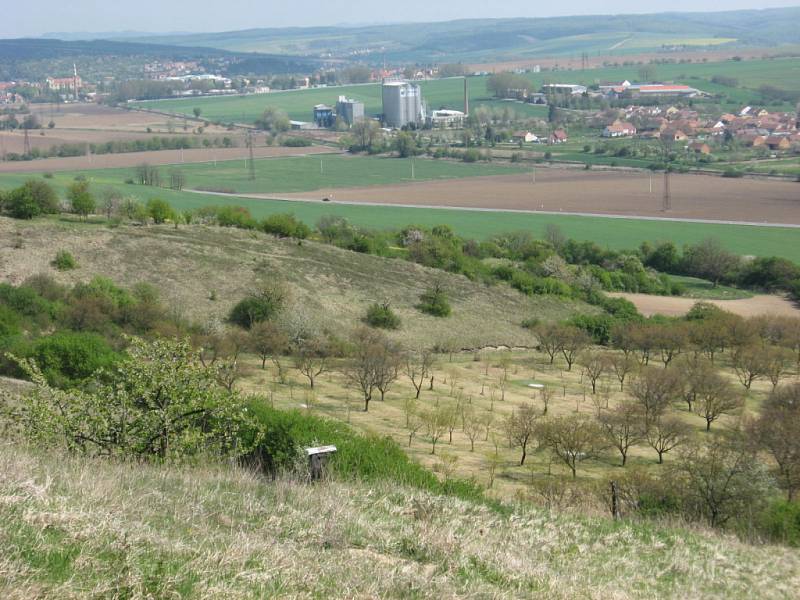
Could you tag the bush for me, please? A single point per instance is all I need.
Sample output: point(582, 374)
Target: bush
point(159, 210)
point(434, 302)
point(382, 316)
point(68, 357)
point(64, 261)
point(732, 173)
point(294, 142)
point(257, 308)
point(780, 521)
point(285, 225)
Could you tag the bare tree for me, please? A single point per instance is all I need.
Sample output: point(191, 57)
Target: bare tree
point(777, 431)
point(721, 478)
point(695, 369)
point(572, 439)
point(546, 394)
point(623, 427)
point(666, 433)
point(622, 364)
point(418, 367)
point(550, 339)
point(749, 363)
point(520, 426)
point(363, 369)
point(573, 342)
point(472, 426)
point(777, 363)
point(654, 389)
point(312, 357)
point(594, 364)
point(437, 421)
point(716, 397)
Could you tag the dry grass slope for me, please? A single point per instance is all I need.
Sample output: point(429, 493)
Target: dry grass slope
point(192, 265)
point(73, 528)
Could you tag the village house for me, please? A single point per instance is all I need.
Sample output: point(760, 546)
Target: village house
point(699, 147)
point(619, 129)
point(778, 142)
point(526, 137)
point(559, 136)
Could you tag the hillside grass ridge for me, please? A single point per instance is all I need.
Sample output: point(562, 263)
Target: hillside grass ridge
point(75, 527)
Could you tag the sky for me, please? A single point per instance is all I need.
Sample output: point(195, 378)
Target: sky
point(35, 17)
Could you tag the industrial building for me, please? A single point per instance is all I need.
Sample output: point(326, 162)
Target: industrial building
point(323, 115)
point(349, 110)
point(573, 89)
point(402, 104)
point(446, 118)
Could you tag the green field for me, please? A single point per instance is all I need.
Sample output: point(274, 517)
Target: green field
point(293, 174)
point(783, 73)
point(284, 175)
point(298, 104)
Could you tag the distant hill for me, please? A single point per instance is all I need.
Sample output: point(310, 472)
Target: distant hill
point(34, 57)
point(483, 39)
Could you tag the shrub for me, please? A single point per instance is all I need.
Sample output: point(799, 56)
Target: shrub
point(382, 316)
point(285, 225)
point(434, 302)
point(732, 173)
point(159, 210)
point(294, 142)
point(64, 261)
point(258, 307)
point(68, 357)
point(780, 521)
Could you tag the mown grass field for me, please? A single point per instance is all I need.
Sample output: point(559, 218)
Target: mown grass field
point(783, 73)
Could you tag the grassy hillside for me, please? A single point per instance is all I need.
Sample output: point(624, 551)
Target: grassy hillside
point(74, 528)
point(203, 271)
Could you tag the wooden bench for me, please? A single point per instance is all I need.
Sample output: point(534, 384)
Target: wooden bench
point(317, 457)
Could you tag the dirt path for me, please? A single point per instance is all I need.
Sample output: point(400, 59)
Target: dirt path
point(702, 197)
point(671, 306)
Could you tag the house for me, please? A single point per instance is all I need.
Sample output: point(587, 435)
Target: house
point(559, 136)
point(526, 137)
point(777, 142)
point(699, 147)
point(676, 135)
point(619, 129)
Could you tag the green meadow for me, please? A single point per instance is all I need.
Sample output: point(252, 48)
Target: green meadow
point(301, 174)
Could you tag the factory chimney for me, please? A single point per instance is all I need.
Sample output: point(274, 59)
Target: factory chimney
point(466, 97)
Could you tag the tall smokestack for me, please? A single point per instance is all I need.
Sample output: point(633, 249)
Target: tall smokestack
point(466, 98)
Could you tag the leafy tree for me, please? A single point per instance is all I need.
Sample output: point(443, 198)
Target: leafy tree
point(159, 210)
point(20, 204)
point(160, 404)
point(80, 198)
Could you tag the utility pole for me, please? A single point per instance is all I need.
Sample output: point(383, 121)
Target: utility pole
point(533, 172)
point(667, 202)
point(412, 168)
point(27, 143)
point(651, 182)
point(252, 165)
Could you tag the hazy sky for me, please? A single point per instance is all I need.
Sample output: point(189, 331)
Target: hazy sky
point(35, 17)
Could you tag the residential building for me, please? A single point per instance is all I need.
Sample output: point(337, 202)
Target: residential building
point(526, 137)
point(559, 136)
point(619, 129)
